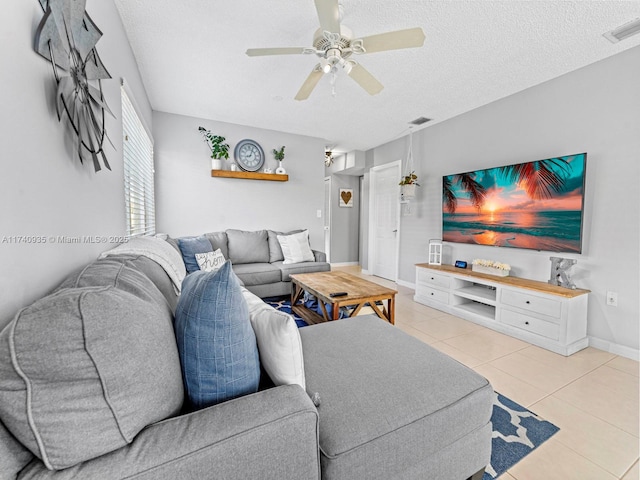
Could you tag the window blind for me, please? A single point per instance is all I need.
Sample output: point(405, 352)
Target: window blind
point(138, 172)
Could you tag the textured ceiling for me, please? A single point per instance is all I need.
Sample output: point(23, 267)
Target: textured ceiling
point(191, 56)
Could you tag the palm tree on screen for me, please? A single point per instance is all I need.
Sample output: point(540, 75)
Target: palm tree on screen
point(539, 179)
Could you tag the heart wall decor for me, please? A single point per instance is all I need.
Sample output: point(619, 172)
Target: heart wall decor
point(346, 197)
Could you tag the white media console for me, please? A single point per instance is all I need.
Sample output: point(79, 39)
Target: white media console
point(545, 315)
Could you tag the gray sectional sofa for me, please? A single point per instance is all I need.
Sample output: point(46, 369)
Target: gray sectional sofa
point(91, 388)
point(258, 260)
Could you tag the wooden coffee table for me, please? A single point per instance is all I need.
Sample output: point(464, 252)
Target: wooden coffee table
point(360, 292)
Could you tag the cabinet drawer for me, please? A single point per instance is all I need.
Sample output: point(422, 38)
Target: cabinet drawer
point(530, 324)
point(428, 277)
point(532, 303)
point(433, 294)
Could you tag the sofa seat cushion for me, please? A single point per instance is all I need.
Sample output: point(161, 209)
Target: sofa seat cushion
point(218, 350)
point(257, 273)
point(83, 370)
point(248, 247)
point(286, 270)
point(382, 390)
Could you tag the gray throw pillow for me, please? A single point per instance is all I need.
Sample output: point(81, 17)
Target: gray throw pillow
point(83, 370)
point(248, 247)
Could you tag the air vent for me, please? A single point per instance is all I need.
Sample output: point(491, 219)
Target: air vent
point(623, 32)
point(420, 121)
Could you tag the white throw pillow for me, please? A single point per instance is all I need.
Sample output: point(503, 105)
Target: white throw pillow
point(210, 261)
point(279, 344)
point(295, 247)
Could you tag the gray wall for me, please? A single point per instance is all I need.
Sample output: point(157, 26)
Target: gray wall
point(595, 109)
point(44, 191)
point(190, 202)
point(345, 221)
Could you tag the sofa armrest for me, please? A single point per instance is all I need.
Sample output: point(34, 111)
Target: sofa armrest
point(319, 256)
point(272, 434)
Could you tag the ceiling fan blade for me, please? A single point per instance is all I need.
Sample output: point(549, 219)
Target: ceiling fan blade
point(310, 83)
point(411, 37)
point(258, 52)
point(329, 15)
point(367, 81)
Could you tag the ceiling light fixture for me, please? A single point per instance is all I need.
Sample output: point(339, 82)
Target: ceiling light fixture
point(623, 31)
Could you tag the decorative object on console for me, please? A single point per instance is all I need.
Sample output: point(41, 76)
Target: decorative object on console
point(66, 36)
point(490, 267)
point(346, 197)
point(560, 272)
point(219, 149)
point(249, 155)
point(435, 252)
point(460, 264)
point(535, 205)
point(279, 156)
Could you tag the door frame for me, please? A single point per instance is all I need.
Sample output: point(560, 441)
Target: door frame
point(373, 216)
point(326, 221)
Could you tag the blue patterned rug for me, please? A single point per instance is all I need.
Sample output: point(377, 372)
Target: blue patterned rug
point(516, 431)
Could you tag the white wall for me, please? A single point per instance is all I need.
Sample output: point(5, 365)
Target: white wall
point(44, 190)
point(190, 202)
point(594, 110)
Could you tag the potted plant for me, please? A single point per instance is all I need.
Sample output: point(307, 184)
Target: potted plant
point(279, 156)
point(219, 149)
point(408, 185)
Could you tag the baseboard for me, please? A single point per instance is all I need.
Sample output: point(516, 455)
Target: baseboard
point(628, 352)
point(345, 264)
point(410, 285)
point(365, 272)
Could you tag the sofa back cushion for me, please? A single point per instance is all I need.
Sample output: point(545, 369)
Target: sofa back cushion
point(83, 370)
point(248, 247)
point(219, 240)
point(218, 350)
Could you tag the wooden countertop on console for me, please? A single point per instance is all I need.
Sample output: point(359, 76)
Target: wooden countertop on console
point(542, 287)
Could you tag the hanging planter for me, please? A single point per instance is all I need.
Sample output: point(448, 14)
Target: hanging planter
point(408, 186)
point(408, 191)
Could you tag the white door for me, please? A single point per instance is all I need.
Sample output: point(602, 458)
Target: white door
point(385, 220)
point(327, 217)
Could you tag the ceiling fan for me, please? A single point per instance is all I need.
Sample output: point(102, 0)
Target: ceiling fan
point(334, 45)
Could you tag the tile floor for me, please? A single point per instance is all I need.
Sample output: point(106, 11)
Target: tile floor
point(593, 396)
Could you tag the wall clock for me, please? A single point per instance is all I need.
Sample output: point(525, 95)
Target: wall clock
point(249, 155)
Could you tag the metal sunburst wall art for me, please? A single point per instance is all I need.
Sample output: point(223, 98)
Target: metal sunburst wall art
point(67, 38)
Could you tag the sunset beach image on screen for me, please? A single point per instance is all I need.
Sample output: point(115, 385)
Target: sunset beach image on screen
point(535, 205)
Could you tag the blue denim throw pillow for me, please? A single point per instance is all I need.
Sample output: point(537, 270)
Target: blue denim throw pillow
point(189, 246)
point(216, 343)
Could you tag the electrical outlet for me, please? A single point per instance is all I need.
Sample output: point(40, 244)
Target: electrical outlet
point(319, 213)
point(612, 299)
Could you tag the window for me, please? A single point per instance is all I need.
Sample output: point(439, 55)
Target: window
point(138, 172)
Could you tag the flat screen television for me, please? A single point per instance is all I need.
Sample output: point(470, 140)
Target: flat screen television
point(536, 205)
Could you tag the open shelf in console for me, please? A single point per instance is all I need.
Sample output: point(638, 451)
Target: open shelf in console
point(479, 293)
point(480, 309)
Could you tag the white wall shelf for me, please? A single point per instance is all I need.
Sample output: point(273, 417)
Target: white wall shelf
point(545, 315)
